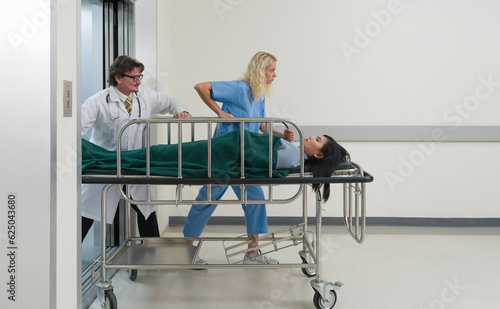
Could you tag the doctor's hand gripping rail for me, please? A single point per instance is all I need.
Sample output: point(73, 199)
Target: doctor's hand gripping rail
point(354, 218)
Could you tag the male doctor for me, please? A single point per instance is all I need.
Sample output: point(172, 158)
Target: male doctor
point(104, 114)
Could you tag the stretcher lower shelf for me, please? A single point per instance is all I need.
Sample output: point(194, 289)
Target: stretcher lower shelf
point(144, 253)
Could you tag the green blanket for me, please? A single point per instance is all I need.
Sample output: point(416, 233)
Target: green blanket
point(164, 158)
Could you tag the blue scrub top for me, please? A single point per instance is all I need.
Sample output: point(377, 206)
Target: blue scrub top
point(236, 100)
point(288, 155)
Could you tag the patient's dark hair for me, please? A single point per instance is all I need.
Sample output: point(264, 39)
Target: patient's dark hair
point(333, 154)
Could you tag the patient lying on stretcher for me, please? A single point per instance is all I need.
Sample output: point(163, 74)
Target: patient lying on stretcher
point(322, 155)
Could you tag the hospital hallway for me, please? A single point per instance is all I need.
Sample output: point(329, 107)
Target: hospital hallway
point(395, 268)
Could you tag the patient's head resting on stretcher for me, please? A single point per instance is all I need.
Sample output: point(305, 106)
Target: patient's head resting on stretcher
point(323, 156)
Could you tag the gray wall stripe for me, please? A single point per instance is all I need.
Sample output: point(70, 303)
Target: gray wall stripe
point(372, 221)
point(407, 133)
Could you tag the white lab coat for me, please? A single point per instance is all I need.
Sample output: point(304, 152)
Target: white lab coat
point(104, 114)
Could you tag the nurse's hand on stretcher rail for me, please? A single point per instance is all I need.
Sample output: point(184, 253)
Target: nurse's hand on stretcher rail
point(223, 114)
point(288, 134)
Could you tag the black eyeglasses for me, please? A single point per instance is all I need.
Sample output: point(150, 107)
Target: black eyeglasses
point(135, 78)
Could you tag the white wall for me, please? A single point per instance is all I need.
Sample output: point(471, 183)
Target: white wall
point(24, 175)
point(39, 164)
point(427, 57)
point(362, 63)
point(66, 66)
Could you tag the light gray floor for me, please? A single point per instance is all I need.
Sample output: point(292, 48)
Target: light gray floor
point(396, 267)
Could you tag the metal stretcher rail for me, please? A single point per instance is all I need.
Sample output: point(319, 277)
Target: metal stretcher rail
point(160, 180)
point(174, 253)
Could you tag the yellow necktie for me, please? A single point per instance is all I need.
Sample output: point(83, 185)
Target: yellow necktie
point(128, 105)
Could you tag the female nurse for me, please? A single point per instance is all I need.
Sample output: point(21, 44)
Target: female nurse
point(243, 98)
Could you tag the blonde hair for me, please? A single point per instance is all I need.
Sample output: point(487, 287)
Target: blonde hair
point(255, 75)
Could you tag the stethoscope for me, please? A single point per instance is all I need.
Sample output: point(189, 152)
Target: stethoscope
point(116, 117)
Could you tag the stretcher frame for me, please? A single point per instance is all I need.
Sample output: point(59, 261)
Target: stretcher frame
point(182, 256)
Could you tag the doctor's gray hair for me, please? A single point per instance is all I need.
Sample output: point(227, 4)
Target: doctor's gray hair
point(122, 65)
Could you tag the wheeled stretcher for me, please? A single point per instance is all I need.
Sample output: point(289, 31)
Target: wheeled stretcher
point(174, 253)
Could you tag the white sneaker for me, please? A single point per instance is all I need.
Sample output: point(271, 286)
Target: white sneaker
point(252, 258)
point(200, 261)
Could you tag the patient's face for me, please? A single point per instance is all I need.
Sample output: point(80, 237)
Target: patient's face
point(313, 146)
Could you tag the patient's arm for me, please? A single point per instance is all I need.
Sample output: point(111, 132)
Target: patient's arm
point(288, 134)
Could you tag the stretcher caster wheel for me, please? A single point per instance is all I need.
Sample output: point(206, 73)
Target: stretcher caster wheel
point(132, 274)
point(110, 301)
point(310, 271)
point(321, 303)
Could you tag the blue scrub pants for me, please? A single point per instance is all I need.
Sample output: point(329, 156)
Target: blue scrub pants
point(255, 214)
